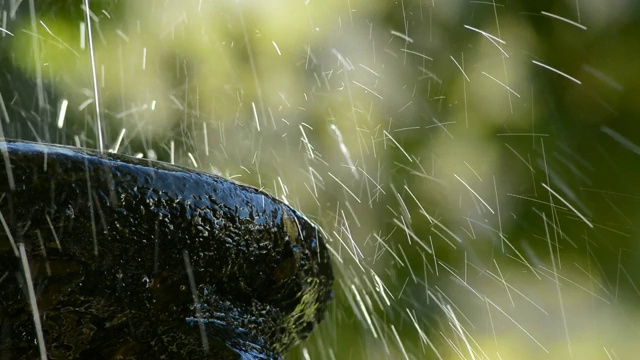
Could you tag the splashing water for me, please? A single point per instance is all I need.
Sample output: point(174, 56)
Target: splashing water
point(472, 164)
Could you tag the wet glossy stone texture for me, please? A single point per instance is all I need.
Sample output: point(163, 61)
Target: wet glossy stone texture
point(109, 240)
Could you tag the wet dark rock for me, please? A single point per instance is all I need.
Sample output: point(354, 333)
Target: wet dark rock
point(110, 240)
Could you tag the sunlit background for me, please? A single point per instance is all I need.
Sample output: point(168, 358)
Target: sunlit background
point(475, 164)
